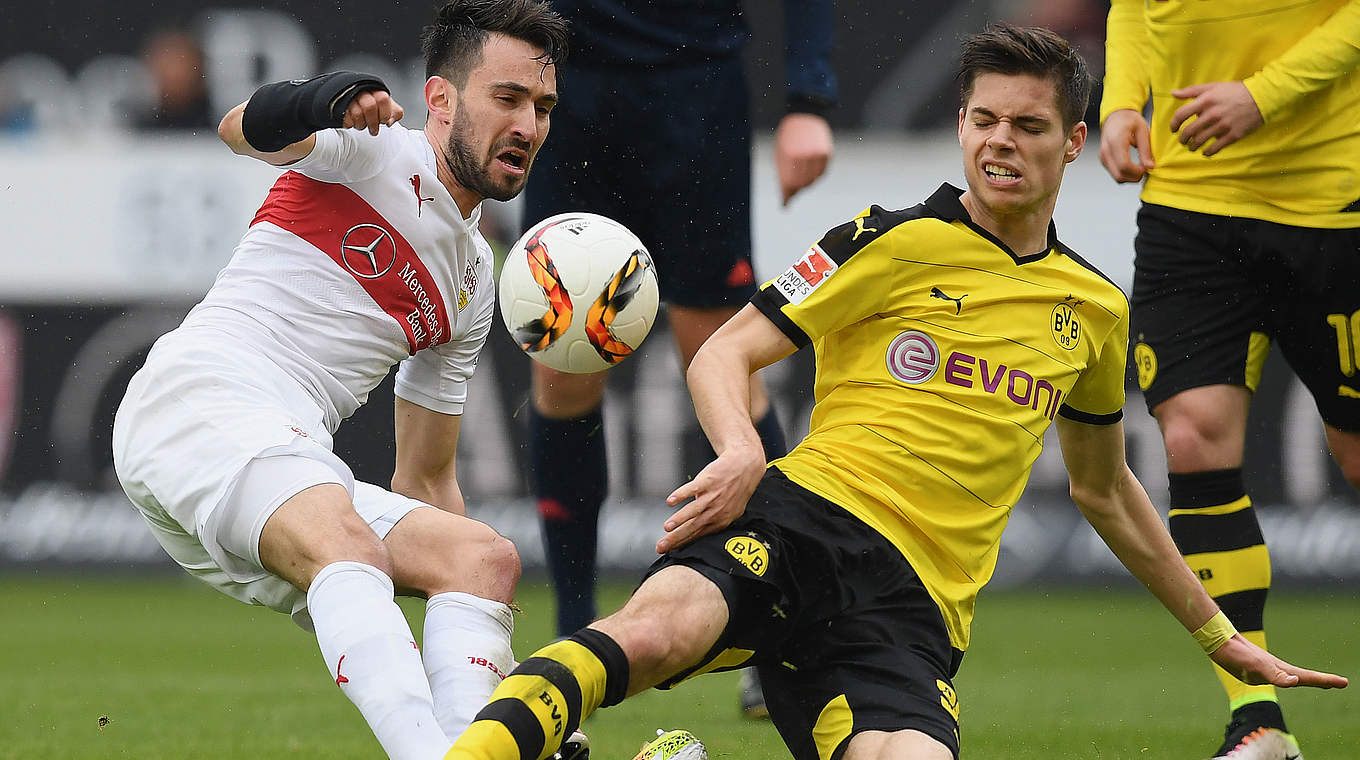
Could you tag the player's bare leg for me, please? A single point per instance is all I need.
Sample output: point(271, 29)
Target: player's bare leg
point(317, 542)
point(1215, 526)
point(1345, 448)
point(895, 745)
point(467, 572)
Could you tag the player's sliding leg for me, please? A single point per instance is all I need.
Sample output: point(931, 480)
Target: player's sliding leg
point(672, 620)
point(569, 479)
point(467, 572)
point(318, 542)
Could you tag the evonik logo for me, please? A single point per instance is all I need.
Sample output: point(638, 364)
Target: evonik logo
point(1019, 386)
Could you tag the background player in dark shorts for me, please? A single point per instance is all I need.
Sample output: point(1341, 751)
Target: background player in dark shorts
point(1248, 233)
point(656, 135)
point(907, 442)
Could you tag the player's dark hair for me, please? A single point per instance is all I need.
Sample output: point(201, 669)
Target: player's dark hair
point(1007, 49)
point(453, 43)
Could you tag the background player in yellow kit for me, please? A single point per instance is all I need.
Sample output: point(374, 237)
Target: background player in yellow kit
point(1249, 231)
point(949, 336)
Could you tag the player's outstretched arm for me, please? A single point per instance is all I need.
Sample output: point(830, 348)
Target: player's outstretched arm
point(1124, 129)
point(719, 380)
point(1114, 502)
point(279, 122)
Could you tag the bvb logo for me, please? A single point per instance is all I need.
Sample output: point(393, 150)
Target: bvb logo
point(750, 553)
point(1066, 328)
point(1146, 361)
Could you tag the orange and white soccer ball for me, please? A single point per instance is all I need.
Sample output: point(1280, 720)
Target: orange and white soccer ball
point(578, 292)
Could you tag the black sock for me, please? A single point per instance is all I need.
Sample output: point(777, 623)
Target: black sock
point(568, 468)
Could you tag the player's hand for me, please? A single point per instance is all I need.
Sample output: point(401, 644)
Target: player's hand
point(1124, 129)
point(1224, 112)
point(372, 109)
point(1251, 664)
point(716, 496)
point(802, 149)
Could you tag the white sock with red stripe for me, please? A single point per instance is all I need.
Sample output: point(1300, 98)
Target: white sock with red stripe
point(467, 655)
point(373, 658)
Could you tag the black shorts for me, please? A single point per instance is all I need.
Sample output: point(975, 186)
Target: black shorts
point(667, 152)
point(1210, 292)
point(845, 636)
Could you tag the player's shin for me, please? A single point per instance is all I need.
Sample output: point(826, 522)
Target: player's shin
point(1215, 527)
point(539, 705)
point(467, 654)
point(373, 658)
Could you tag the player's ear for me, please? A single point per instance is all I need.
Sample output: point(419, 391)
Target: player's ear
point(441, 99)
point(960, 126)
point(1076, 140)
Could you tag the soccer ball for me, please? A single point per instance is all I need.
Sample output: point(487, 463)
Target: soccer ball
point(578, 292)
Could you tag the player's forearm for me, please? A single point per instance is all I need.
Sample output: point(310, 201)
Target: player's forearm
point(720, 385)
point(1327, 53)
point(1129, 524)
point(232, 134)
point(1126, 40)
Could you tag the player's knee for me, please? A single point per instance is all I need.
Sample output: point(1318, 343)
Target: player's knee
point(1188, 436)
point(361, 544)
point(479, 561)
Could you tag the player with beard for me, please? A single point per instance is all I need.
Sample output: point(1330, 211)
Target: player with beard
point(365, 254)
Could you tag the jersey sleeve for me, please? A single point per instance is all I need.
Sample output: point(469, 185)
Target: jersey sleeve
point(437, 378)
point(350, 155)
point(810, 79)
point(1127, 83)
point(843, 278)
point(1097, 398)
point(1327, 53)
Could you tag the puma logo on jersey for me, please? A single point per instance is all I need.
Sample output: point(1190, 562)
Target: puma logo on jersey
point(860, 229)
point(958, 302)
point(420, 202)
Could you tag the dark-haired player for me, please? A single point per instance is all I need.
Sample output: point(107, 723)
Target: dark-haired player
point(949, 336)
point(1249, 231)
point(365, 254)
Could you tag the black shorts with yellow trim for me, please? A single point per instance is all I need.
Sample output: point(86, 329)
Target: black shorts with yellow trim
point(1210, 293)
point(844, 634)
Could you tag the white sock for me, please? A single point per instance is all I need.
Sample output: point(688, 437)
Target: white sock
point(467, 654)
point(373, 658)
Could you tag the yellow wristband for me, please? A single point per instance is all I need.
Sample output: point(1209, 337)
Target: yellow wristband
point(1215, 633)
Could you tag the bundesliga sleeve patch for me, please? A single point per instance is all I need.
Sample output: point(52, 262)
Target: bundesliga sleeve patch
point(805, 276)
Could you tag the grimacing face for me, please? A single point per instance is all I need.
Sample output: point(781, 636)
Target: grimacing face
point(1014, 145)
point(501, 119)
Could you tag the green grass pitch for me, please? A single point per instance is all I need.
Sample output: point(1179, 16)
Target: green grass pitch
point(173, 670)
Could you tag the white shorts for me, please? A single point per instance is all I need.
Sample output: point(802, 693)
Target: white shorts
point(208, 457)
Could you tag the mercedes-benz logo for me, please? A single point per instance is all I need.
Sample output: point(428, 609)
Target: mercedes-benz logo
point(368, 251)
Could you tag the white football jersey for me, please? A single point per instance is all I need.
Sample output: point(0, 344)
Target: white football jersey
point(357, 260)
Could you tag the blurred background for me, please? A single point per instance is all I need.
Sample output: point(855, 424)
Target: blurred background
point(118, 206)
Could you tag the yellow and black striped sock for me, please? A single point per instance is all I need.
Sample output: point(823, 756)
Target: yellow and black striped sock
point(1215, 527)
point(544, 700)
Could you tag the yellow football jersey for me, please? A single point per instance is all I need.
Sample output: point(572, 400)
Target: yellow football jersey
point(1300, 60)
point(942, 357)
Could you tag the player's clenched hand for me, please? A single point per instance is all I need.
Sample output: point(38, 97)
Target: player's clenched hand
point(716, 496)
point(1224, 112)
point(802, 149)
point(372, 109)
point(1124, 129)
point(1254, 665)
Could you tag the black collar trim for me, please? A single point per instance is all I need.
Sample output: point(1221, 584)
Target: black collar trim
point(945, 204)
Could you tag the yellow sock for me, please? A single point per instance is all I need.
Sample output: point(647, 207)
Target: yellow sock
point(544, 700)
